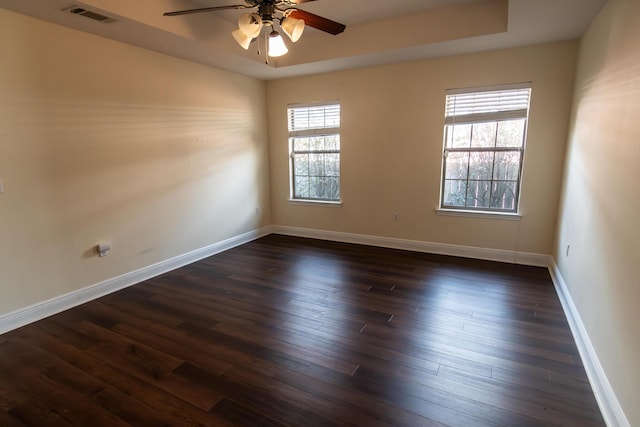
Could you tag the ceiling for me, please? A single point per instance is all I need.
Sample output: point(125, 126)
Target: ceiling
point(378, 32)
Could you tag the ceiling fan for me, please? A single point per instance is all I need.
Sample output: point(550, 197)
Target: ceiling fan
point(291, 20)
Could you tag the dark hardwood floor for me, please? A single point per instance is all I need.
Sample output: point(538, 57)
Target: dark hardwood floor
point(287, 331)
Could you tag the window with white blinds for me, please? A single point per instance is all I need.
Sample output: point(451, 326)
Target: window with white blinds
point(314, 148)
point(484, 140)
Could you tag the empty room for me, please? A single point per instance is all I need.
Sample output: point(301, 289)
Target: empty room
point(319, 213)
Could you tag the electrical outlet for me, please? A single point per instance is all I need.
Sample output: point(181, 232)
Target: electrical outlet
point(1, 186)
point(103, 249)
point(257, 211)
point(396, 217)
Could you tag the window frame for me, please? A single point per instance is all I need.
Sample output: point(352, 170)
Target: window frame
point(309, 133)
point(472, 118)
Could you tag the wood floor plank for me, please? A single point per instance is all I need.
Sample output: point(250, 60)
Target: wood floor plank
point(292, 405)
point(29, 378)
point(7, 420)
point(287, 331)
point(188, 404)
point(521, 400)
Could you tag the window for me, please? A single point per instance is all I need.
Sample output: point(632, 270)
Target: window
point(484, 138)
point(314, 146)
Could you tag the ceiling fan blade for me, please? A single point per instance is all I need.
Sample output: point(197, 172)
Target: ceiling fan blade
point(299, 1)
point(318, 22)
point(206, 9)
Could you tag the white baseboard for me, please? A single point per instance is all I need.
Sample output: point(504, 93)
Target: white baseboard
point(607, 401)
point(33, 313)
point(512, 257)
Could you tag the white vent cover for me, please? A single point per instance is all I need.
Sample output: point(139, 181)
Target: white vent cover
point(76, 10)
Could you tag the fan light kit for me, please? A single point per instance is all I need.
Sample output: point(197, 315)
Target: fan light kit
point(291, 21)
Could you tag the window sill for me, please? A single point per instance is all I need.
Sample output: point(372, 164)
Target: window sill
point(508, 216)
point(325, 203)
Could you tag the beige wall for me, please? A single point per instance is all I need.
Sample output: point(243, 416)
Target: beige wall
point(392, 126)
point(601, 198)
point(100, 141)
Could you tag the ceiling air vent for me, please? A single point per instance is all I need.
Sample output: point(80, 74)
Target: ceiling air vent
point(89, 14)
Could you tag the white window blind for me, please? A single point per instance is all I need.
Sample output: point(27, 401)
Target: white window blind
point(487, 104)
point(314, 119)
